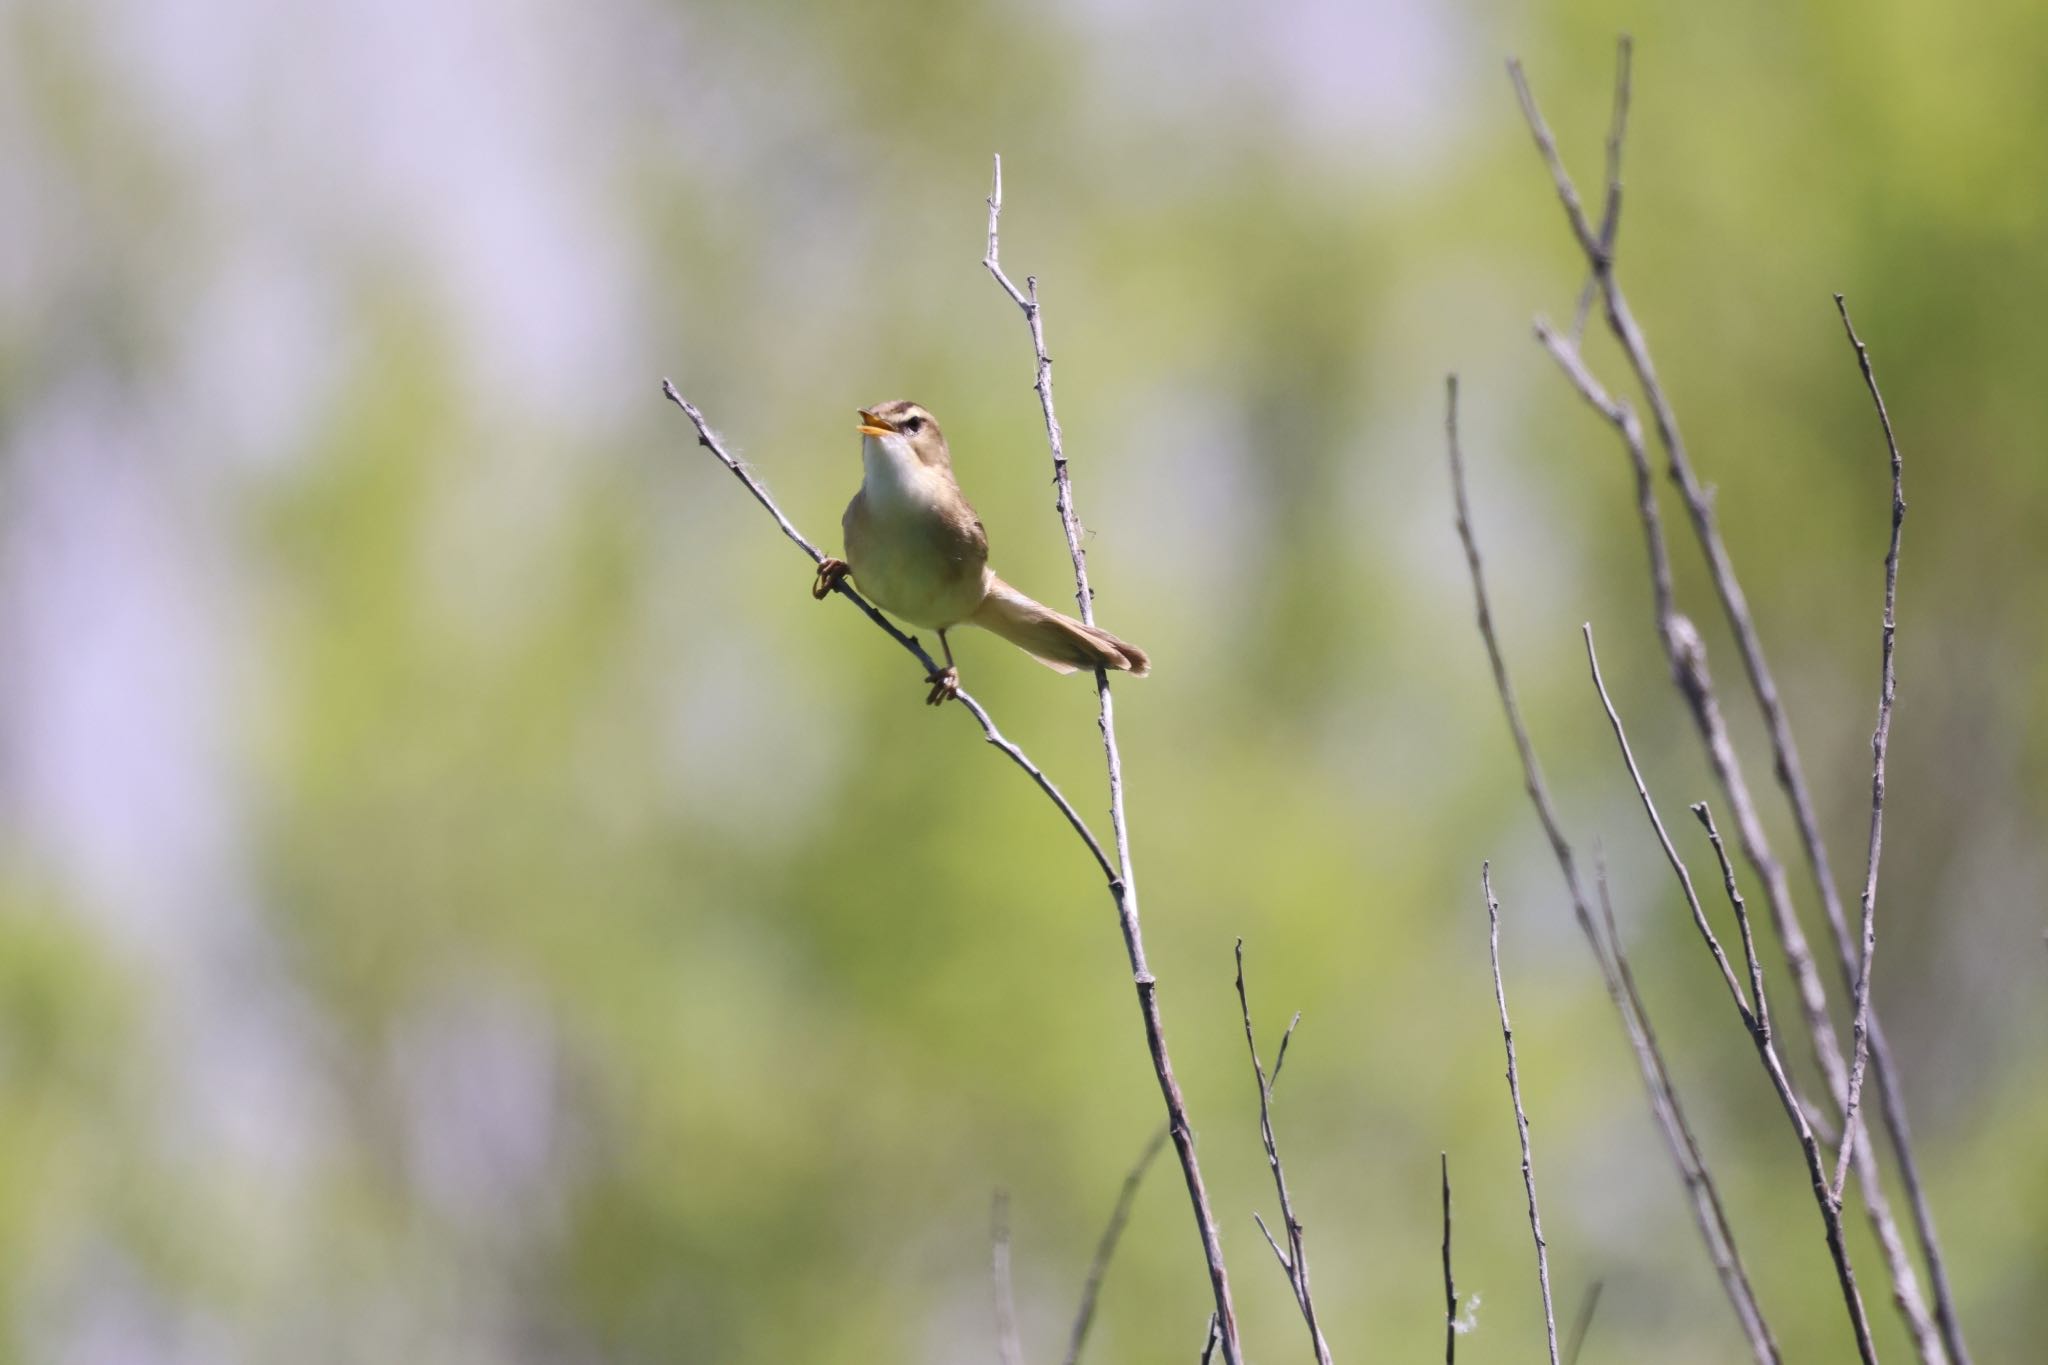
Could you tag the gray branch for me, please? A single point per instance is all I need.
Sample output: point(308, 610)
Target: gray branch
point(1295, 1260)
point(1688, 661)
point(1709, 1215)
point(1880, 740)
point(1124, 884)
point(1507, 1034)
point(1767, 1052)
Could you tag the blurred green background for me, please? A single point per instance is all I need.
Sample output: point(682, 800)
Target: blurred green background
point(460, 899)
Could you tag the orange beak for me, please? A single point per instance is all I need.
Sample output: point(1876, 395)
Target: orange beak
point(871, 425)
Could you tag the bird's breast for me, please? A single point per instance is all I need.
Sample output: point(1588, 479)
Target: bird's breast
point(910, 551)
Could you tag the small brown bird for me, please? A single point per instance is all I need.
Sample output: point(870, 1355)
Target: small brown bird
point(914, 545)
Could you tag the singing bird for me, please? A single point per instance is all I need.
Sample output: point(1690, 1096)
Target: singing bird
point(915, 546)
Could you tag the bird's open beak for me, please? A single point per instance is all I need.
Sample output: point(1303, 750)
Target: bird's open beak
point(871, 425)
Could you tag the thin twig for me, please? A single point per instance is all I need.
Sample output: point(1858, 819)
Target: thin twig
point(1610, 217)
point(1286, 1265)
point(1296, 1261)
point(1507, 1035)
point(1583, 1323)
point(1009, 1346)
point(1689, 672)
point(1816, 1166)
point(1124, 884)
point(1758, 1001)
point(1105, 1248)
point(1617, 947)
point(1879, 740)
point(1450, 1285)
point(1704, 1197)
point(1209, 1342)
point(1699, 916)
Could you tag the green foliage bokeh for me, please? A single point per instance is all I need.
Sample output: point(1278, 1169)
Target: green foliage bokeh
point(658, 980)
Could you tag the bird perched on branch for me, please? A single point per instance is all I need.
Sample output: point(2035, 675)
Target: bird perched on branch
point(915, 546)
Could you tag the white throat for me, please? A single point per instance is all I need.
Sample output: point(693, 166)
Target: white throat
point(893, 473)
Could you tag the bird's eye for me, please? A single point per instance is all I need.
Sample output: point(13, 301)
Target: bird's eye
point(912, 423)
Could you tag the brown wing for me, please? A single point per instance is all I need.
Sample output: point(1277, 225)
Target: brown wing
point(961, 533)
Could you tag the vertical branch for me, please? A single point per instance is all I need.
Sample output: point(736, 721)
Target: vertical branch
point(1450, 1285)
point(1124, 883)
point(1009, 1347)
point(1704, 1197)
point(1507, 1035)
point(1688, 660)
point(1294, 1261)
point(1879, 741)
point(1809, 1145)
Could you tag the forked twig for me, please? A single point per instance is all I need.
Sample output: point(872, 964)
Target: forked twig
point(1816, 1166)
point(1507, 1035)
point(1124, 883)
point(1294, 1261)
point(1704, 1197)
point(1688, 659)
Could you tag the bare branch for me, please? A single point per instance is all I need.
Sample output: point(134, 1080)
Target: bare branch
point(1583, 1324)
point(1709, 1215)
point(1610, 217)
point(1699, 916)
point(1105, 1248)
point(1285, 1039)
point(1879, 741)
point(1689, 672)
point(1286, 1266)
point(1507, 1035)
point(1830, 1207)
point(1124, 884)
point(1617, 135)
point(1009, 1347)
point(1296, 1262)
point(1450, 1285)
point(1758, 1001)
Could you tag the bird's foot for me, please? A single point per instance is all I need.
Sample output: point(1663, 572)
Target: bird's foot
point(945, 686)
point(830, 574)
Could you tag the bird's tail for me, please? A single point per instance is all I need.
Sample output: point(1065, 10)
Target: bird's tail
point(1059, 642)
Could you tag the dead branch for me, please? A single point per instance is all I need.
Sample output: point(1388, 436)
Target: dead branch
point(1879, 741)
point(1123, 884)
point(1295, 1260)
point(1688, 661)
point(1703, 1195)
point(1830, 1207)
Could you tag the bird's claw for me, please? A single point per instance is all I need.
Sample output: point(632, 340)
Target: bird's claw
point(830, 573)
point(945, 686)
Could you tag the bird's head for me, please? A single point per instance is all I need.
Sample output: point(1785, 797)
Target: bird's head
point(902, 427)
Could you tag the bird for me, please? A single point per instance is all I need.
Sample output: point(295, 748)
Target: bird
point(916, 548)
